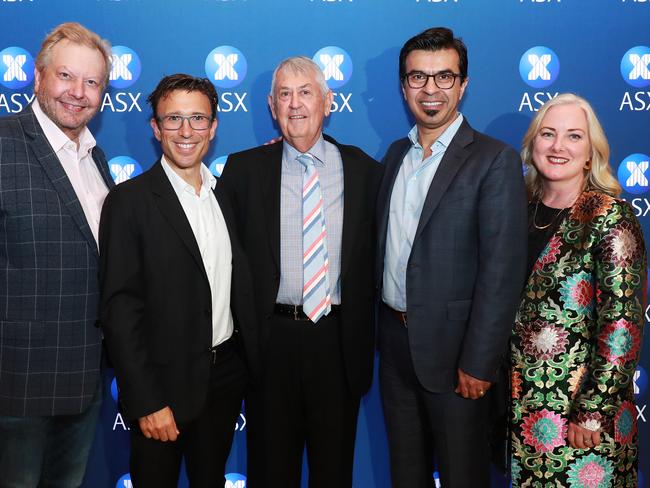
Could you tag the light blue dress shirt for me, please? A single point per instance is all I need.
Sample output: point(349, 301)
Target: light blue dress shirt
point(406, 202)
point(329, 165)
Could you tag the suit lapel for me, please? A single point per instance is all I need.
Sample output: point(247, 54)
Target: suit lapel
point(455, 155)
point(100, 161)
point(171, 209)
point(271, 180)
point(352, 205)
point(57, 175)
point(228, 217)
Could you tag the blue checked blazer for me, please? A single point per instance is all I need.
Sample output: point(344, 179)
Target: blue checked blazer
point(50, 344)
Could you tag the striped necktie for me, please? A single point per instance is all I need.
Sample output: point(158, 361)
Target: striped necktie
point(316, 299)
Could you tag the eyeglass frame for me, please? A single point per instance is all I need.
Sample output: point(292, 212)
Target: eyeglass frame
point(449, 73)
point(161, 121)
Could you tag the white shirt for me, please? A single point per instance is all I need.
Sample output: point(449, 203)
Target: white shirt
point(78, 165)
point(209, 227)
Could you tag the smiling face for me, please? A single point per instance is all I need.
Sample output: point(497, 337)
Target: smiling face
point(299, 107)
point(69, 88)
point(562, 147)
point(434, 109)
point(184, 148)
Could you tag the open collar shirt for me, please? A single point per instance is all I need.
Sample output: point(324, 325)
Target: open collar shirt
point(79, 167)
point(209, 228)
point(406, 202)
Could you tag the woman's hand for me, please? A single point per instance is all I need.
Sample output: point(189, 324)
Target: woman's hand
point(582, 438)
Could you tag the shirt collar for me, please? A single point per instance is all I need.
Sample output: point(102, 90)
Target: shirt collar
point(444, 139)
point(208, 181)
point(290, 153)
point(56, 137)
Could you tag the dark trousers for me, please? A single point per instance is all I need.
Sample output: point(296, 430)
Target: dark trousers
point(47, 452)
point(303, 401)
point(205, 441)
point(422, 425)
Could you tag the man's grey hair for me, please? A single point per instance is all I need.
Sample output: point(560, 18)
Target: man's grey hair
point(300, 64)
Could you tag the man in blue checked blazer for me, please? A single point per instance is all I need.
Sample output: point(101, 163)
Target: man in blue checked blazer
point(53, 180)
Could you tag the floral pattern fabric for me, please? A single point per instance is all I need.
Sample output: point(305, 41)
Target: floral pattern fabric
point(575, 347)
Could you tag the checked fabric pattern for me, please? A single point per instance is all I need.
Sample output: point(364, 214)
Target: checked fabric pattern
point(316, 287)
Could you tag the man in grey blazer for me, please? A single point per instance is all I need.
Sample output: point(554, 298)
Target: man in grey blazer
point(450, 269)
point(53, 180)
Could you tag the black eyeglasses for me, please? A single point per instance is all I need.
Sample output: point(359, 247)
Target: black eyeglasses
point(175, 122)
point(443, 80)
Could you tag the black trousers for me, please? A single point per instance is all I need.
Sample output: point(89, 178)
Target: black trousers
point(205, 441)
point(422, 425)
point(303, 401)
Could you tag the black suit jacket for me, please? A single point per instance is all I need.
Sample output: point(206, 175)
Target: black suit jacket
point(50, 342)
point(252, 179)
point(156, 306)
point(467, 265)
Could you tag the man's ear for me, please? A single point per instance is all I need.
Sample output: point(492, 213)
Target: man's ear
point(156, 130)
point(272, 107)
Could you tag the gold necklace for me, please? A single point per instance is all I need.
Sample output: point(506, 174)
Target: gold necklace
point(542, 227)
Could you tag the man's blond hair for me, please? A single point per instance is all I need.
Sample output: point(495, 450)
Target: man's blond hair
point(76, 34)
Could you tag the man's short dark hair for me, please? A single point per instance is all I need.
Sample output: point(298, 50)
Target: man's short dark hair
point(434, 39)
point(187, 83)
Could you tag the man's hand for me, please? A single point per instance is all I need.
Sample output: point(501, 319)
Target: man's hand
point(273, 141)
point(159, 425)
point(582, 438)
point(470, 387)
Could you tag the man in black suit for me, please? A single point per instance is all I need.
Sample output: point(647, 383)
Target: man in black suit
point(451, 264)
point(317, 352)
point(174, 307)
point(53, 180)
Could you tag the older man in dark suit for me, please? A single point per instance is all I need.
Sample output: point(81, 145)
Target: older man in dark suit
point(305, 211)
point(451, 264)
point(53, 180)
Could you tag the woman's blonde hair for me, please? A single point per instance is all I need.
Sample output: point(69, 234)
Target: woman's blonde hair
point(598, 176)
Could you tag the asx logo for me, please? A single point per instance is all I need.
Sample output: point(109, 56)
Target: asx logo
point(336, 65)
point(217, 165)
point(633, 173)
point(123, 168)
point(114, 391)
point(125, 71)
point(235, 480)
point(124, 481)
point(119, 420)
point(125, 67)
point(436, 480)
point(640, 381)
point(634, 66)
point(226, 66)
point(539, 67)
point(16, 68)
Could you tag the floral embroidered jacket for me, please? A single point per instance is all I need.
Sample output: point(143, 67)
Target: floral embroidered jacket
point(575, 347)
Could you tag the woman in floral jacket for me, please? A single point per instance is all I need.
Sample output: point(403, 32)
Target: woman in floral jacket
point(578, 330)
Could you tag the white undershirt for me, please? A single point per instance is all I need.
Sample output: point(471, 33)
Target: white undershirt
point(211, 234)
